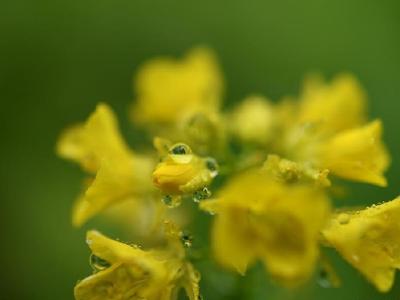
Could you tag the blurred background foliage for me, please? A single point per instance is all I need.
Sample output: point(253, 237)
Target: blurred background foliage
point(59, 58)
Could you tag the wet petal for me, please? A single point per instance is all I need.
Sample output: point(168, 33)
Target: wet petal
point(261, 218)
point(357, 154)
point(369, 240)
point(136, 273)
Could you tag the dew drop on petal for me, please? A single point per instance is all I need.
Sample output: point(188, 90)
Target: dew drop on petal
point(211, 212)
point(323, 279)
point(186, 238)
point(180, 149)
point(202, 194)
point(97, 263)
point(172, 201)
point(212, 166)
point(136, 246)
point(343, 218)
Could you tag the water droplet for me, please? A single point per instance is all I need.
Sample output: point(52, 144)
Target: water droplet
point(212, 166)
point(135, 246)
point(172, 200)
point(343, 219)
point(97, 263)
point(327, 277)
point(202, 194)
point(180, 149)
point(323, 279)
point(187, 239)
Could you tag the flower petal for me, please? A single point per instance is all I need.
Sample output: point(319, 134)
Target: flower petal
point(169, 89)
point(337, 106)
point(90, 143)
point(357, 154)
point(369, 240)
point(258, 217)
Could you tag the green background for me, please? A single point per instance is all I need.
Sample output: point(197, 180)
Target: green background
point(59, 58)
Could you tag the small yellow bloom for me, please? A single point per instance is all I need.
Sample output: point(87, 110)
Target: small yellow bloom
point(170, 90)
point(334, 107)
point(369, 240)
point(253, 120)
point(329, 132)
point(126, 272)
point(182, 172)
point(357, 154)
point(322, 110)
point(260, 218)
point(120, 174)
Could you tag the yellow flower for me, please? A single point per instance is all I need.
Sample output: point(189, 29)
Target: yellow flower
point(357, 154)
point(182, 172)
point(328, 132)
point(127, 272)
point(369, 240)
point(334, 107)
point(119, 173)
point(169, 90)
point(260, 218)
point(253, 120)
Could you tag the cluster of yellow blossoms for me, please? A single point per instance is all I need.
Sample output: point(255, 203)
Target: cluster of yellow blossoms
point(275, 166)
